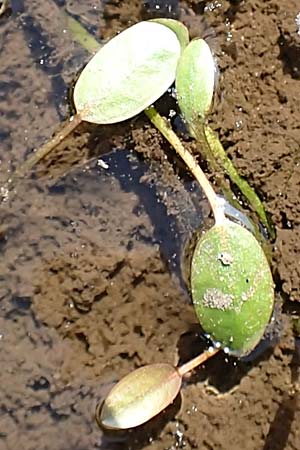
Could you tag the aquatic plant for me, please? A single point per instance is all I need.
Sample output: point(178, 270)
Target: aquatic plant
point(131, 72)
point(231, 283)
point(144, 393)
point(232, 292)
point(124, 77)
point(233, 295)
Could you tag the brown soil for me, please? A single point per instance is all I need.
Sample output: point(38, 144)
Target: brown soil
point(91, 279)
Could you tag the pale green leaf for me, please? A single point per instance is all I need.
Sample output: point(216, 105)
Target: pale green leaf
point(232, 287)
point(139, 396)
point(128, 74)
point(195, 80)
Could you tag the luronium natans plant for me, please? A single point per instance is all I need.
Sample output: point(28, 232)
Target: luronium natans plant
point(132, 71)
point(195, 76)
point(119, 81)
point(232, 293)
point(231, 283)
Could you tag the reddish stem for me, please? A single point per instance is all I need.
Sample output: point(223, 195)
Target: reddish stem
point(200, 359)
point(43, 151)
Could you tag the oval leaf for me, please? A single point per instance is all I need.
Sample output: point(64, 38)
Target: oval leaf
point(232, 287)
point(128, 74)
point(140, 396)
point(195, 80)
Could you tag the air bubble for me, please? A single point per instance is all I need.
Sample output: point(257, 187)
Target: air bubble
point(297, 20)
point(238, 125)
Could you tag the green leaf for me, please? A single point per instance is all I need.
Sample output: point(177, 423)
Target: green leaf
point(195, 80)
point(139, 396)
point(128, 74)
point(232, 287)
point(179, 29)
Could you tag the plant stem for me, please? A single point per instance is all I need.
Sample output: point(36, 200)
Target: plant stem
point(214, 165)
point(195, 362)
point(43, 151)
point(163, 126)
point(81, 35)
point(217, 156)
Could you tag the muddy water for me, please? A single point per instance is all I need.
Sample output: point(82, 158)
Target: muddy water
point(91, 283)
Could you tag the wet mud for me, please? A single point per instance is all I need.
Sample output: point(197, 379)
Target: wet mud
point(92, 280)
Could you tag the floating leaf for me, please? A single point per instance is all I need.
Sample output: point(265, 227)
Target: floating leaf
point(128, 74)
point(232, 287)
point(179, 29)
point(140, 396)
point(195, 80)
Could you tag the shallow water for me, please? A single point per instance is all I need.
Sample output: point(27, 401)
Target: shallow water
point(91, 285)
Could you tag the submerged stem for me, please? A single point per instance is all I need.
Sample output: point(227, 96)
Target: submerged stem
point(195, 362)
point(163, 126)
point(215, 167)
point(43, 151)
point(81, 35)
point(217, 158)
